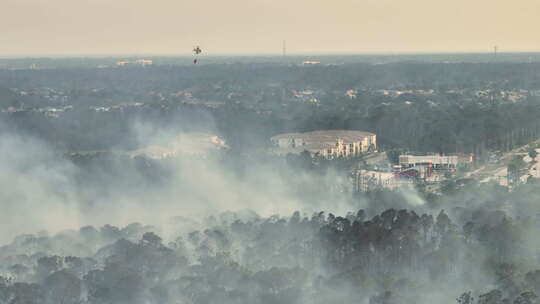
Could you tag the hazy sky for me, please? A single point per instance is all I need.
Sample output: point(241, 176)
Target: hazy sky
point(49, 27)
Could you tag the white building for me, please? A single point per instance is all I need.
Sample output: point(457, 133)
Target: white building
point(328, 144)
point(144, 62)
point(437, 161)
point(141, 62)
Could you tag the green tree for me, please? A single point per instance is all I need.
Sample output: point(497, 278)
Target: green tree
point(515, 167)
point(532, 153)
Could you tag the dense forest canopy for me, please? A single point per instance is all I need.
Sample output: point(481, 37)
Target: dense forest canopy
point(417, 255)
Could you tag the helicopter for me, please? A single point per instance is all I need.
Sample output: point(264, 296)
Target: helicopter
point(196, 50)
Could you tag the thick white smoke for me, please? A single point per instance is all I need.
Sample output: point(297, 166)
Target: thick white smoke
point(40, 190)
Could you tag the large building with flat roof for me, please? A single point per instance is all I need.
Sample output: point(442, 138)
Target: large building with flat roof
point(328, 143)
point(437, 161)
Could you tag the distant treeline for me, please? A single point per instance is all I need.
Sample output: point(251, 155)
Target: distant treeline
point(418, 75)
point(256, 103)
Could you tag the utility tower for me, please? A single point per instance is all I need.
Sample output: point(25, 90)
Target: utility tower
point(284, 48)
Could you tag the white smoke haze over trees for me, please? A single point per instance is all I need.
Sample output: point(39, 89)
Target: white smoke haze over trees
point(37, 190)
point(41, 189)
point(204, 233)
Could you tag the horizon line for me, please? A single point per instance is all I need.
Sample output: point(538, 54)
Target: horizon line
point(272, 54)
